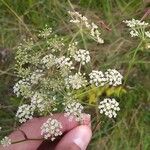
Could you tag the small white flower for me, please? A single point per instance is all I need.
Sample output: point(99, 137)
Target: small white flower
point(75, 81)
point(72, 48)
point(109, 107)
point(51, 129)
point(36, 76)
point(27, 44)
point(65, 65)
point(76, 17)
point(136, 26)
point(92, 28)
point(6, 141)
point(95, 33)
point(0, 128)
point(46, 32)
point(76, 21)
point(64, 62)
point(55, 44)
point(133, 23)
point(147, 33)
point(97, 78)
point(113, 77)
point(82, 56)
point(134, 33)
point(25, 112)
point(148, 45)
point(40, 102)
point(48, 61)
point(74, 110)
point(23, 88)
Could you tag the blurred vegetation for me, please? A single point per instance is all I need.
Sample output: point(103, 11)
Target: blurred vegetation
point(22, 18)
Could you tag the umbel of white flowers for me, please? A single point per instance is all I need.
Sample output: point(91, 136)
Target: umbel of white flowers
point(25, 112)
point(138, 28)
point(57, 71)
point(109, 107)
point(82, 22)
point(51, 129)
point(6, 141)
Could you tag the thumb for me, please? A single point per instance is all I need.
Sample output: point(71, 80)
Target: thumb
point(77, 139)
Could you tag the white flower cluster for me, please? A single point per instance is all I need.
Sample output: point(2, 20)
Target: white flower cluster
point(72, 48)
point(134, 33)
point(27, 44)
point(25, 112)
point(55, 44)
point(78, 18)
point(137, 28)
point(81, 20)
point(51, 129)
point(74, 110)
point(97, 78)
point(53, 84)
point(44, 86)
point(22, 88)
point(95, 33)
point(6, 141)
point(48, 61)
point(46, 32)
point(134, 23)
point(147, 33)
point(109, 107)
point(82, 56)
point(65, 65)
point(36, 76)
point(75, 81)
point(64, 62)
point(39, 101)
point(113, 77)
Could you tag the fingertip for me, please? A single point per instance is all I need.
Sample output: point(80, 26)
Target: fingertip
point(77, 138)
point(83, 137)
point(86, 120)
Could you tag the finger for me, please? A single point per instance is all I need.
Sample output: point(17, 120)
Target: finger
point(77, 139)
point(32, 130)
point(48, 144)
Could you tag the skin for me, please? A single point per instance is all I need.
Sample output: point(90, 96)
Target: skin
point(75, 136)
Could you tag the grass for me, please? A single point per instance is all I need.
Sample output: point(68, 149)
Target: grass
point(23, 18)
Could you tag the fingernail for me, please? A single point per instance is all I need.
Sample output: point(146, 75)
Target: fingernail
point(80, 143)
point(83, 137)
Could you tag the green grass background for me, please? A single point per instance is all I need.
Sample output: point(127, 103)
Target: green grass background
point(19, 18)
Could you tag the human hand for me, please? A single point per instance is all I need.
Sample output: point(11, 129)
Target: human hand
point(75, 136)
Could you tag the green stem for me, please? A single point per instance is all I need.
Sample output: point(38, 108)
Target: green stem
point(90, 105)
point(87, 91)
point(79, 67)
point(131, 63)
point(75, 35)
point(84, 42)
